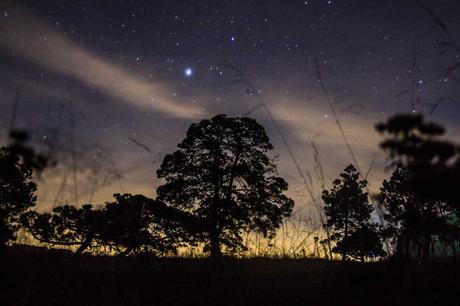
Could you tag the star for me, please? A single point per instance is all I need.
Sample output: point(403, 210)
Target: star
point(188, 72)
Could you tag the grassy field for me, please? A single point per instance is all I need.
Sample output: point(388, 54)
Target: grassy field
point(59, 278)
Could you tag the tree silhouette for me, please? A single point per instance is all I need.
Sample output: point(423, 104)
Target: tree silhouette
point(348, 214)
point(16, 193)
point(222, 176)
point(412, 219)
point(136, 224)
point(402, 217)
point(67, 225)
point(423, 189)
point(28, 155)
point(130, 225)
point(416, 144)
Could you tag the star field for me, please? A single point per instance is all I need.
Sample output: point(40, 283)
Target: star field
point(120, 81)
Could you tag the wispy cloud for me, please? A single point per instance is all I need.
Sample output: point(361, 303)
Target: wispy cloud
point(309, 121)
point(304, 124)
point(30, 38)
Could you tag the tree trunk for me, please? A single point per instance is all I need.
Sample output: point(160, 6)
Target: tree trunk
point(214, 234)
point(215, 244)
point(345, 238)
point(83, 246)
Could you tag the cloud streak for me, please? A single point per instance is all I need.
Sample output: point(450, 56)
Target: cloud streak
point(303, 124)
point(28, 37)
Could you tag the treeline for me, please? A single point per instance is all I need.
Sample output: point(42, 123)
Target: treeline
point(221, 183)
point(419, 204)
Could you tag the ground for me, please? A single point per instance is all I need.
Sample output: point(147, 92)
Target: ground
point(40, 277)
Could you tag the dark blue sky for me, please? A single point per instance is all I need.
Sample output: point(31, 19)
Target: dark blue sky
point(116, 69)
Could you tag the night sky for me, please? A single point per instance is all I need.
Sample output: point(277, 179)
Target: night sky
point(109, 87)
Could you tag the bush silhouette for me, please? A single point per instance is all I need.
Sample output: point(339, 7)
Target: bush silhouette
point(67, 225)
point(130, 225)
point(133, 225)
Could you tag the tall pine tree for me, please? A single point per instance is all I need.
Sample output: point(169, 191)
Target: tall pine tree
point(348, 214)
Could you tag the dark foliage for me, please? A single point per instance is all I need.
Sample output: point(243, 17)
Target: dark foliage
point(68, 225)
point(348, 214)
point(134, 224)
point(130, 225)
point(363, 242)
point(29, 156)
point(423, 190)
point(222, 176)
point(413, 220)
point(16, 193)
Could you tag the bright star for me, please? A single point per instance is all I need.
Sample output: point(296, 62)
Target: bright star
point(188, 72)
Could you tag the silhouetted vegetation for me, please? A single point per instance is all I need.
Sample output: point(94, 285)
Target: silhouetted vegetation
point(68, 225)
point(220, 184)
point(16, 193)
point(219, 227)
point(30, 158)
point(423, 191)
point(132, 224)
point(348, 214)
point(221, 175)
